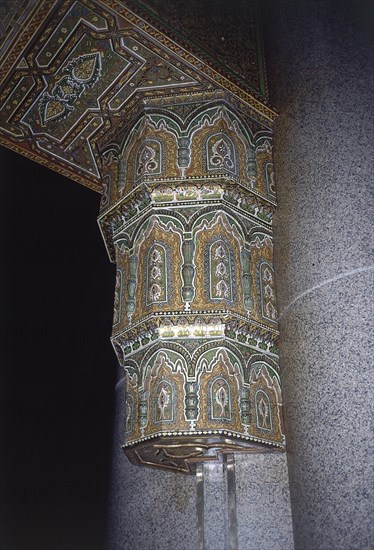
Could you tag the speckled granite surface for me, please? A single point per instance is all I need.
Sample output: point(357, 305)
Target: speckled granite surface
point(328, 379)
point(149, 509)
point(155, 510)
point(320, 61)
point(263, 502)
point(319, 57)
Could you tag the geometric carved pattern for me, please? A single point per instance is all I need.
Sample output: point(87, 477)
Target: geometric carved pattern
point(149, 159)
point(199, 303)
point(73, 70)
point(267, 292)
point(83, 72)
point(178, 138)
point(220, 259)
point(221, 153)
point(157, 283)
point(264, 419)
point(187, 23)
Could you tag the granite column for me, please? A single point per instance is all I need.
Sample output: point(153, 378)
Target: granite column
point(320, 79)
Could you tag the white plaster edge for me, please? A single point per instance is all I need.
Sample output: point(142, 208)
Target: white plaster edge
point(325, 282)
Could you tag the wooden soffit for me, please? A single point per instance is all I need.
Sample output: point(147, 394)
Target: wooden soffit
point(72, 71)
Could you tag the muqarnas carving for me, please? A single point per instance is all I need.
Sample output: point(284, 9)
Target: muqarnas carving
point(187, 217)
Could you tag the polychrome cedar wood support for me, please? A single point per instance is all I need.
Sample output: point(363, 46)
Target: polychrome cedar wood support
point(195, 319)
point(177, 138)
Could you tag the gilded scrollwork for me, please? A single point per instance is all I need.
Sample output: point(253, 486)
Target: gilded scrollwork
point(192, 228)
point(182, 154)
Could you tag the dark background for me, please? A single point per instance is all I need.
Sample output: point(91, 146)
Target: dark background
point(58, 368)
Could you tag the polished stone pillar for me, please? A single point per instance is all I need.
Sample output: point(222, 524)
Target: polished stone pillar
point(320, 81)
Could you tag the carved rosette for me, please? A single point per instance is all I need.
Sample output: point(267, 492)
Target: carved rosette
point(187, 219)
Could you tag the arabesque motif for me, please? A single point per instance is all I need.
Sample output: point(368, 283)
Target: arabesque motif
point(198, 330)
point(182, 153)
point(81, 73)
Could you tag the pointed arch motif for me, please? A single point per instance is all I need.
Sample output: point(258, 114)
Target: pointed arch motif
point(163, 385)
point(147, 149)
point(158, 248)
point(163, 398)
point(220, 153)
point(220, 399)
point(148, 159)
point(265, 402)
point(218, 144)
point(221, 384)
point(263, 410)
point(218, 253)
